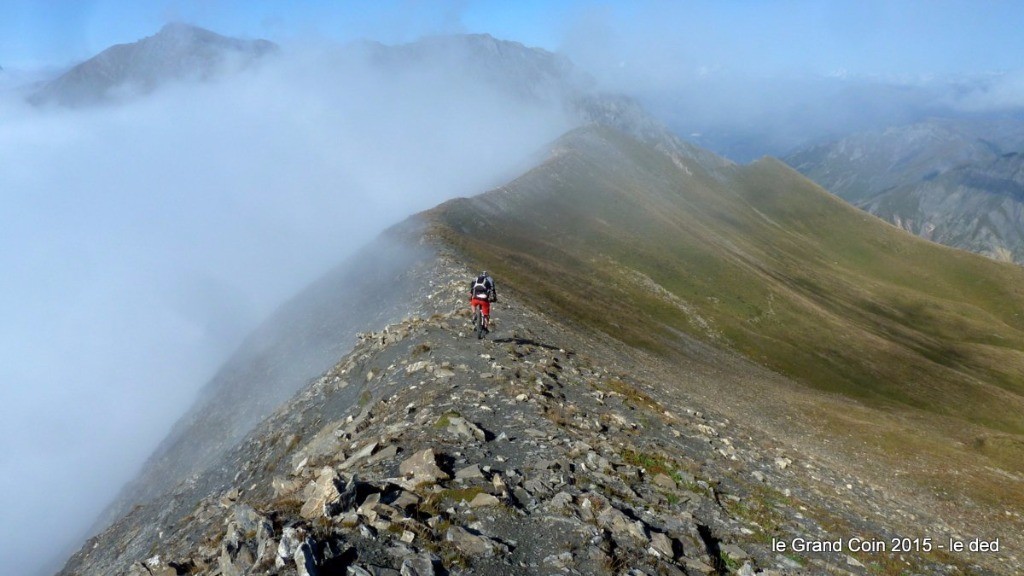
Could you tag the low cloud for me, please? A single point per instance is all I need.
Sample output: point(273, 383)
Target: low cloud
point(751, 79)
point(143, 240)
point(992, 93)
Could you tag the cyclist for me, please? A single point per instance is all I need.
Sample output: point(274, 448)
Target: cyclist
point(482, 293)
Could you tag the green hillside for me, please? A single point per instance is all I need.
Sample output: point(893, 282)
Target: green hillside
point(617, 236)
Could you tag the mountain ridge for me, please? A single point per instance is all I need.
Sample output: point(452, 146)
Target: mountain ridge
point(341, 476)
point(976, 206)
point(745, 240)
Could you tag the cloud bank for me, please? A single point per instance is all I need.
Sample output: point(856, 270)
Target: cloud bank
point(749, 79)
point(142, 241)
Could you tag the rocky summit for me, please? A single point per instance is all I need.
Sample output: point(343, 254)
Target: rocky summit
point(538, 450)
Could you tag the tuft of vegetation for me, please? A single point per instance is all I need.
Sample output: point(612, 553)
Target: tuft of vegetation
point(761, 509)
point(560, 414)
point(435, 503)
point(634, 396)
point(445, 419)
point(364, 398)
point(652, 463)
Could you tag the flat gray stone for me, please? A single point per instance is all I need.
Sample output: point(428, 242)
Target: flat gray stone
point(469, 473)
point(664, 481)
point(734, 552)
point(484, 499)
point(422, 468)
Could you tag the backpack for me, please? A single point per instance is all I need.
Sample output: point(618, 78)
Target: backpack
point(481, 287)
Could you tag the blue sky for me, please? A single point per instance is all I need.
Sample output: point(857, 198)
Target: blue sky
point(64, 31)
point(750, 37)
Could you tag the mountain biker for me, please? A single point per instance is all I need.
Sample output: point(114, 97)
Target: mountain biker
point(482, 293)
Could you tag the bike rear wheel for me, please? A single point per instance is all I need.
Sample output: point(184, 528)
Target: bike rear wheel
point(478, 322)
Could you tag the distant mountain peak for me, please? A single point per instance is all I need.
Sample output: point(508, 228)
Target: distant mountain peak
point(178, 27)
point(185, 34)
point(179, 51)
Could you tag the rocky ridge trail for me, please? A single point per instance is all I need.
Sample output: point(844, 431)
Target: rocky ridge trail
point(534, 451)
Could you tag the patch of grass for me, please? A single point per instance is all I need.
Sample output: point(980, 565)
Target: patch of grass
point(560, 414)
point(955, 462)
point(1005, 449)
point(452, 557)
point(445, 419)
point(759, 508)
point(694, 486)
point(887, 563)
point(287, 506)
point(434, 504)
point(731, 564)
point(633, 395)
point(793, 556)
point(461, 494)
point(652, 463)
point(365, 398)
point(217, 538)
point(614, 563)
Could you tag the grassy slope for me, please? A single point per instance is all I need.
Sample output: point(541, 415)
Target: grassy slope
point(619, 237)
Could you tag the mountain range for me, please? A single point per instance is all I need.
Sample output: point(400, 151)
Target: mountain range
point(956, 182)
point(691, 359)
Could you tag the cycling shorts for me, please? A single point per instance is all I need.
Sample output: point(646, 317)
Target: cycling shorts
point(484, 303)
